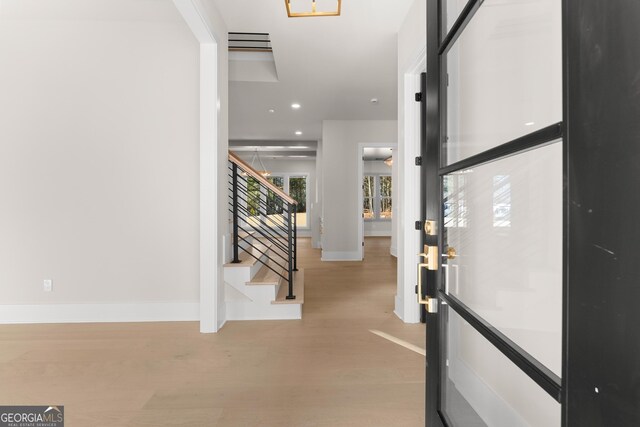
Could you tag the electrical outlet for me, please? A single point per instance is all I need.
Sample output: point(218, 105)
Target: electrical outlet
point(47, 285)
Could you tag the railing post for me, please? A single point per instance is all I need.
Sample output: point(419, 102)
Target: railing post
point(290, 252)
point(236, 258)
point(295, 237)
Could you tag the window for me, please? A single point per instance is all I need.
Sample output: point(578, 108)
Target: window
point(385, 197)
point(368, 188)
point(274, 203)
point(261, 199)
point(376, 197)
point(298, 191)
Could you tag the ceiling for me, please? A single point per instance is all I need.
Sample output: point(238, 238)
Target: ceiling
point(274, 149)
point(331, 66)
point(376, 153)
point(91, 10)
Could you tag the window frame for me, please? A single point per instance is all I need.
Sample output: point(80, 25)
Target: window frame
point(377, 196)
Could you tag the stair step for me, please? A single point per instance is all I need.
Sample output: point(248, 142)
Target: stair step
point(244, 234)
point(266, 276)
point(298, 290)
point(247, 260)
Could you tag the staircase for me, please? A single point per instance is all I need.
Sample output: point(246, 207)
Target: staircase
point(262, 280)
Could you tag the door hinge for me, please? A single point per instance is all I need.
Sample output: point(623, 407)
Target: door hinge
point(419, 161)
point(362, 243)
point(418, 225)
point(418, 96)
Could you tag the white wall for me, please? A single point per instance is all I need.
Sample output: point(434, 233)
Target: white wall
point(395, 210)
point(316, 233)
point(340, 181)
point(411, 53)
point(377, 227)
point(99, 161)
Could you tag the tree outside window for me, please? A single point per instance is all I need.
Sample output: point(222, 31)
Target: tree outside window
point(368, 187)
point(377, 197)
point(385, 197)
point(298, 192)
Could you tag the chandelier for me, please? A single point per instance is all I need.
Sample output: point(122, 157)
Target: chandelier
point(304, 8)
point(264, 172)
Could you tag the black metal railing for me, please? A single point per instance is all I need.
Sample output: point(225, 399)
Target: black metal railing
point(262, 213)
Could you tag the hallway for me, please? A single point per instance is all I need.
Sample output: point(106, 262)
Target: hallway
point(327, 369)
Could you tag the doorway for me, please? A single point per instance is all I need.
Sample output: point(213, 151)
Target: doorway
point(377, 176)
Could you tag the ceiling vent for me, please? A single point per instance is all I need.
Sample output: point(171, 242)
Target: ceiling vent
point(251, 58)
point(249, 42)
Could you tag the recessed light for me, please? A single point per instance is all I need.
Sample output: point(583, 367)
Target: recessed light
point(298, 132)
point(271, 110)
point(529, 124)
point(295, 105)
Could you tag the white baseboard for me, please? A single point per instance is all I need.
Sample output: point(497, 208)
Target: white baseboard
point(341, 256)
point(95, 313)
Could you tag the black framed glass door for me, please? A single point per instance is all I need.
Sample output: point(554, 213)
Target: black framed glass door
point(492, 278)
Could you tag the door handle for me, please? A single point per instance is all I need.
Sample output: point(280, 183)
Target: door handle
point(431, 257)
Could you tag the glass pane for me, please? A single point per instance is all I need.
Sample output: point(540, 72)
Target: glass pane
point(482, 387)
point(508, 241)
point(253, 196)
point(385, 186)
point(505, 76)
point(298, 191)
point(274, 202)
point(455, 210)
point(451, 12)
point(368, 186)
point(277, 181)
point(367, 208)
point(385, 208)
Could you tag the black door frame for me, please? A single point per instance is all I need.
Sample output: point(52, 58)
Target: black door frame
point(600, 383)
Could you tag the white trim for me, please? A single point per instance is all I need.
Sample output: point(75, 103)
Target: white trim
point(209, 315)
point(341, 256)
point(393, 251)
point(94, 313)
point(196, 22)
point(406, 307)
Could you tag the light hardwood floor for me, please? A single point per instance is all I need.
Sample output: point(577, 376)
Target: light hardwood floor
point(327, 369)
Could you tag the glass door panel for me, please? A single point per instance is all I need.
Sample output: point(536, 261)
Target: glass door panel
point(504, 76)
point(483, 388)
point(452, 11)
point(504, 220)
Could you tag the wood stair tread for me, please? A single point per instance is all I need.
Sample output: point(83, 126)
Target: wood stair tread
point(246, 259)
point(298, 290)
